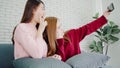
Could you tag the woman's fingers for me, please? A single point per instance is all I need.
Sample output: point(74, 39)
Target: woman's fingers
point(56, 57)
point(45, 23)
point(41, 19)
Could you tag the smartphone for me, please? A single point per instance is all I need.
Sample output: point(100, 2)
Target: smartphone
point(110, 7)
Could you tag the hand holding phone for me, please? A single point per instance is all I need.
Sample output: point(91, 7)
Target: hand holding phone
point(110, 7)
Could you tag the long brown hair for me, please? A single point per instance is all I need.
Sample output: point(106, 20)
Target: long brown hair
point(50, 35)
point(30, 6)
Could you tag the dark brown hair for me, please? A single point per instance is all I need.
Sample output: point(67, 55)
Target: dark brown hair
point(31, 5)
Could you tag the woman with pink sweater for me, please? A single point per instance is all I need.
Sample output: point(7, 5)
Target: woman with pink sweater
point(27, 36)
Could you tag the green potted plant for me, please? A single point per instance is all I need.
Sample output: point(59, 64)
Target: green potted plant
point(106, 36)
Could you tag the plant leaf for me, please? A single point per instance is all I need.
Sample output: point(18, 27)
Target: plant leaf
point(96, 16)
point(111, 23)
point(98, 36)
point(115, 26)
point(106, 30)
point(100, 47)
point(101, 29)
point(92, 44)
point(98, 32)
point(113, 39)
point(115, 31)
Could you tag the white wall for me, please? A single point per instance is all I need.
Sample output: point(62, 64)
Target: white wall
point(72, 13)
point(10, 14)
point(114, 50)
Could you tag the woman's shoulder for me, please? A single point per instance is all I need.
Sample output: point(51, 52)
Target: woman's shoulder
point(71, 31)
point(22, 27)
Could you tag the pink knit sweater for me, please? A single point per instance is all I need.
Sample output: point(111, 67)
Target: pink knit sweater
point(27, 44)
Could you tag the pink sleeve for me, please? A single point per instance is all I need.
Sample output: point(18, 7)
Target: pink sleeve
point(30, 44)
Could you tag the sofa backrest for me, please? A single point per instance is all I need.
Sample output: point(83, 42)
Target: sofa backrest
point(6, 55)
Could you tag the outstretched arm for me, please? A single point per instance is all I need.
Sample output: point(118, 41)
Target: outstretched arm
point(80, 33)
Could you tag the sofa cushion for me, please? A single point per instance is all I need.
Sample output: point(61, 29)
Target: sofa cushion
point(6, 55)
point(39, 63)
point(88, 60)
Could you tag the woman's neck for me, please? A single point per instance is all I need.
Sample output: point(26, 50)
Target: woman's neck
point(33, 23)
